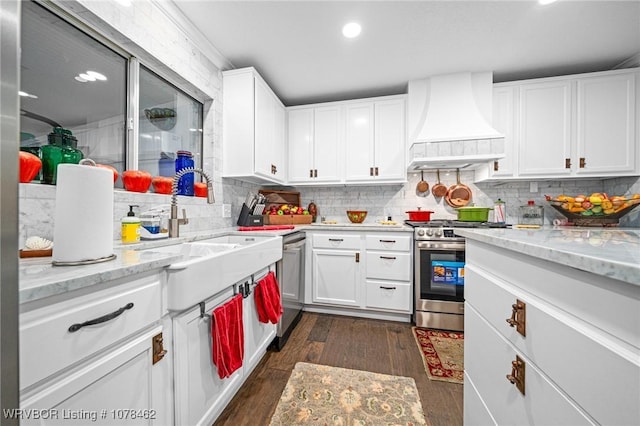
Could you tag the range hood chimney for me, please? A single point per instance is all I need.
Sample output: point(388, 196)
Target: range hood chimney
point(449, 119)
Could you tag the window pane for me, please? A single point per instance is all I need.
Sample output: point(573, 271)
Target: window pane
point(54, 54)
point(170, 121)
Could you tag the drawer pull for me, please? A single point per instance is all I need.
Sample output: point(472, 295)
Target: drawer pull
point(336, 239)
point(518, 317)
point(517, 374)
point(105, 318)
point(387, 241)
point(388, 257)
point(387, 288)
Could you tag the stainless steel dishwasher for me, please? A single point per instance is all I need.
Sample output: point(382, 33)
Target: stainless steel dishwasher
point(290, 271)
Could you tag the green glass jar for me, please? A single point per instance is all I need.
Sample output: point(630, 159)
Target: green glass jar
point(60, 150)
point(51, 156)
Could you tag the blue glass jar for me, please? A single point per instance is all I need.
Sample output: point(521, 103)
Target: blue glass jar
point(185, 184)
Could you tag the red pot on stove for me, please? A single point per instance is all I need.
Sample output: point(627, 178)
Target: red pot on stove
point(420, 215)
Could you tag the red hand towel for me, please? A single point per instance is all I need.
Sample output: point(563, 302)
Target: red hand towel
point(276, 301)
point(227, 337)
point(267, 297)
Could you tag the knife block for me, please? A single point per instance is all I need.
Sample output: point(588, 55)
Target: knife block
point(247, 219)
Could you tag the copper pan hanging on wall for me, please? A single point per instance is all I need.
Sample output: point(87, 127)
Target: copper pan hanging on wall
point(439, 189)
point(458, 195)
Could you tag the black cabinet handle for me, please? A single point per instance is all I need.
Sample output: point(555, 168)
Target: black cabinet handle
point(387, 241)
point(336, 239)
point(388, 257)
point(387, 288)
point(105, 318)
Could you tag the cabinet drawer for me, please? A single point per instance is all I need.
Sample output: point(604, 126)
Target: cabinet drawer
point(564, 348)
point(337, 241)
point(47, 345)
point(388, 242)
point(389, 295)
point(487, 361)
point(389, 266)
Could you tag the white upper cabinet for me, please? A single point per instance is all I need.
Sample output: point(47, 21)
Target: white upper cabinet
point(253, 129)
point(606, 124)
point(504, 121)
point(314, 142)
point(357, 141)
point(573, 126)
point(545, 128)
point(375, 141)
point(360, 148)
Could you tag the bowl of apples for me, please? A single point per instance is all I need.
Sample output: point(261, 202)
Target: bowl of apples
point(597, 209)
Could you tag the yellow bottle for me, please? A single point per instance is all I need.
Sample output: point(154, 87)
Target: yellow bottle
point(130, 227)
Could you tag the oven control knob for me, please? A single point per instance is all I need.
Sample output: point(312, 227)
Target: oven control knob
point(438, 232)
point(421, 232)
point(429, 232)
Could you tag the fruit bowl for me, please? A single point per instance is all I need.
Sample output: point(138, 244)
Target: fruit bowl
point(596, 209)
point(356, 216)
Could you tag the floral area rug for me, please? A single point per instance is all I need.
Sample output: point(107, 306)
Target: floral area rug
point(324, 395)
point(442, 354)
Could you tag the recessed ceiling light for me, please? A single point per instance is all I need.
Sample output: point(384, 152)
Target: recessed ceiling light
point(351, 30)
point(545, 2)
point(27, 95)
point(86, 76)
point(96, 75)
point(80, 79)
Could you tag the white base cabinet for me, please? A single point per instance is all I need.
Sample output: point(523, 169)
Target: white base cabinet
point(200, 394)
point(121, 387)
point(574, 342)
point(360, 273)
point(103, 373)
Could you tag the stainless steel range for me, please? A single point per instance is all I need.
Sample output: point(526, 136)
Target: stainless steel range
point(439, 257)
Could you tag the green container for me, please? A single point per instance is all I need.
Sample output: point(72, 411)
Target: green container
point(473, 214)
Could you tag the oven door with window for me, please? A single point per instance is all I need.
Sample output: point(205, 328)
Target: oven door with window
point(439, 275)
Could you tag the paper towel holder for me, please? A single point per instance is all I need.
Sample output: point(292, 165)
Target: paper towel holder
point(84, 262)
point(84, 162)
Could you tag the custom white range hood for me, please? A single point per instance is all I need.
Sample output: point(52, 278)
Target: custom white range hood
point(449, 122)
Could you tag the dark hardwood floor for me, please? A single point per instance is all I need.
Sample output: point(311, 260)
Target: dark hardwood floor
point(379, 346)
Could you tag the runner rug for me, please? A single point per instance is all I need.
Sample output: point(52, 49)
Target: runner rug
point(442, 354)
point(324, 395)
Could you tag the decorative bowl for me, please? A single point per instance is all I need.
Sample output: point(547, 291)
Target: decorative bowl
point(594, 210)
point(356, 216)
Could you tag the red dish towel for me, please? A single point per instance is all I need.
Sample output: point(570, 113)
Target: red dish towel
point(267, 296)
point(227, 337)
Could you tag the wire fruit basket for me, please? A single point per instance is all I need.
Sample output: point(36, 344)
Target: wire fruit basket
point(594, 210)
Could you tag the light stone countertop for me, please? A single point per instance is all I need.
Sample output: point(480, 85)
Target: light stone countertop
point(609, 252)
point(39, 279)
point(347, 226)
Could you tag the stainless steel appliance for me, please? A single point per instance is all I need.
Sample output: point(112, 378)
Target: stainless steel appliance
point(290, 271)
point(439, 258)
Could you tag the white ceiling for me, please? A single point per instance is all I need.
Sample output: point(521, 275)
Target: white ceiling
point(297, 46)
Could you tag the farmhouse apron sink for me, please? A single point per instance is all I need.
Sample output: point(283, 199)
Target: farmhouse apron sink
point(209, 266)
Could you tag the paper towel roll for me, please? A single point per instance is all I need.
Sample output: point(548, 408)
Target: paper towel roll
point(83, 227)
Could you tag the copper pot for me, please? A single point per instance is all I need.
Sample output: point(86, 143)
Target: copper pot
point(439, 190)
point(458, 195)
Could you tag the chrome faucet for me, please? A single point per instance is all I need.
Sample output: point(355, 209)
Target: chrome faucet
point(174, 221)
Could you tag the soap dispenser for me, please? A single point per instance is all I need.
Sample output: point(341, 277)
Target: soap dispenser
point(131, 227)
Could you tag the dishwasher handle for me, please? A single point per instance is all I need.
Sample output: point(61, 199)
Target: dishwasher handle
point(295, 245)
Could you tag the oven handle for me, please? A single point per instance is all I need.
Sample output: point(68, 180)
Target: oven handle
point(438, 246)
